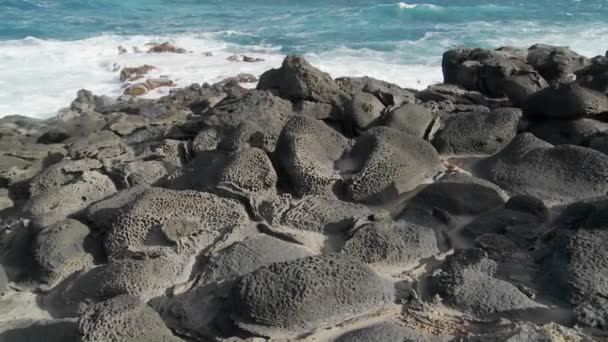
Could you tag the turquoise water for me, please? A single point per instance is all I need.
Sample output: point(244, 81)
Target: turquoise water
point(382, 38)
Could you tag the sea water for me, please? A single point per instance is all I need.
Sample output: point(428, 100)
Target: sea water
point(50, 49)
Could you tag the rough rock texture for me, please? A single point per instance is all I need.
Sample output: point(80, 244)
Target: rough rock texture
point(390, 94)
point(595, 76)
point(410, 118)
point(305, 294)
point(68, 199)
point(3, 280)
point(459, 194)
point(247, 256)
point(298, 80)
point(559, 174)
point(248, 171)
point(476, 133)
point(566, 101)
point(59, 330)
point(467, 284)
point(144, 279)
point(387, 163)
point(123, 318)
point(555, 63)
point(389, 242)
point(572, 132)
point(307, 150)
point(187, 220)
point(60, 250)
point(364, 110)
point(260, 111)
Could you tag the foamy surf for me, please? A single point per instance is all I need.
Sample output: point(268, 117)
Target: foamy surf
point(39, 77)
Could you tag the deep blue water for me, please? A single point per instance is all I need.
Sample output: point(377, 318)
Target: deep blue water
point(303, 25)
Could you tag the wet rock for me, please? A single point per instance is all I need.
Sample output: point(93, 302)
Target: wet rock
point(555, 63)
point(595, 76)
point(459, 194)
point(566, 101)
point(240, 78)
point(388, 93)
point(298, 80)
point(387, 163)
point(394, 243)
point(556, 174)
point(246, 256)
point(123, 318)
point(410, 118)
point(131, 74)
point(60, 250)
point(476, 133)
point(161, 219)
point(293, 297)
point(364, 110)
point(388, 331)
point(467, 283)
point(84, 102)
point(150, 84)
point(307, 150)
point(164, 48)
point(244, 58)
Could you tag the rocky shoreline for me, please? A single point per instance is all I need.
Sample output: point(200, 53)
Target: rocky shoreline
point(316, 209)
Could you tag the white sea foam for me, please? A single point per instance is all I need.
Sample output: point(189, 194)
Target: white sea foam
point(38, 77)
point(404, 5)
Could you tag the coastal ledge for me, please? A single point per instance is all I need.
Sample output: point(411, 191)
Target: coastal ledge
point(313, 208)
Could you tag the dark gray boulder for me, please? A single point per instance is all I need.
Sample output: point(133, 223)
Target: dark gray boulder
point(517, 212)
point(521, 86)
point(410, 118)
point(386, 163)
point(555, 174)
point(390, 94)
point(60, 250)
point(297, 80)
point(246, 256)
point(363, 110)
point(565, 101)
point(123, 318)
point(595, 76)
point(573, 132)
point(161, 219)
point(393, 243)
point(259, 111)
point(290, 298)
point(319, 214)
point(576, 264)
point(248, 171)
point(53, 206)
point(459, 194)
point(466, 282)
point(307, 150)
point(476, 133)
point(555, 63)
